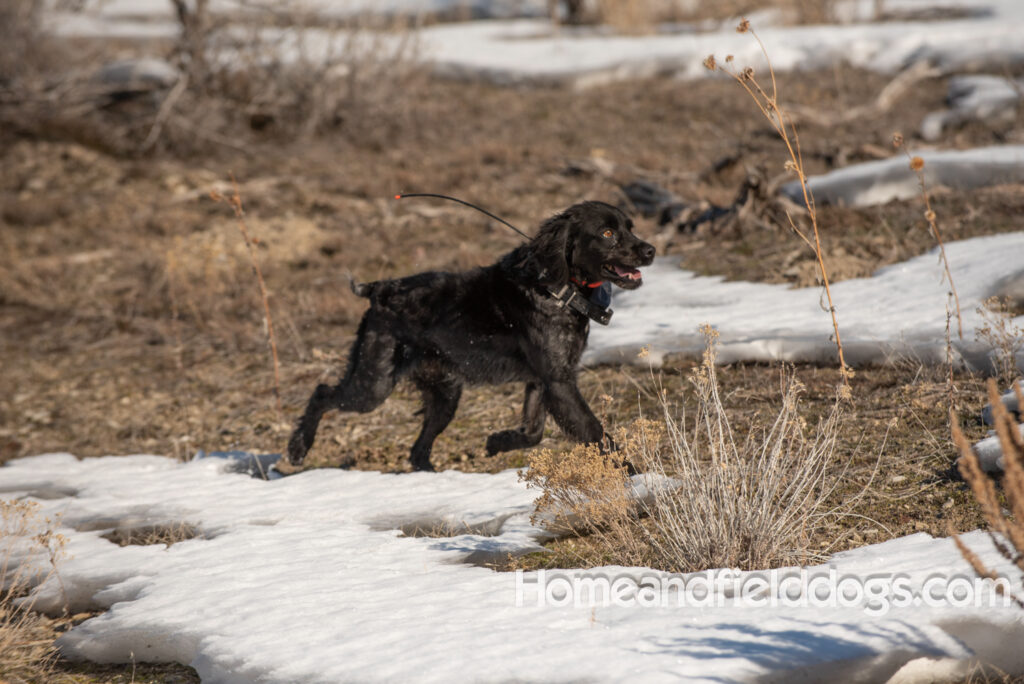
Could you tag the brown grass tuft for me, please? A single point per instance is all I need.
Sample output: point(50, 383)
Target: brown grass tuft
point(30, 550)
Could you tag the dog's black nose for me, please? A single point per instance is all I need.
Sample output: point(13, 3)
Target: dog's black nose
point(646, 252)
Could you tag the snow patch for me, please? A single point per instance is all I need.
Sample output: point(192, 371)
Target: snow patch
point(898, 312)
point(991, 99)
point(990, 453)
point(532, 50)
point(328, 594)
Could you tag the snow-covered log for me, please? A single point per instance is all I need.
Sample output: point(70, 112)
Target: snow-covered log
point(989, 99)
point(878, 182)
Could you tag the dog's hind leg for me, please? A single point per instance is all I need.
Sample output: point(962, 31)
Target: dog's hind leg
point(440, 399)
point(369, 379)
point(532, 429)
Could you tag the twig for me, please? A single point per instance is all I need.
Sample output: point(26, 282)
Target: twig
point(171, 267)
point(950, 387)
point(210, 136)
point(165, 110)
point(235, 201)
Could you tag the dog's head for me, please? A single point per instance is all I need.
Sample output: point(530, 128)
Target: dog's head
point(590, 242)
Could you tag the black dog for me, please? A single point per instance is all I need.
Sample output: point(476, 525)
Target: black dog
point(524, 319)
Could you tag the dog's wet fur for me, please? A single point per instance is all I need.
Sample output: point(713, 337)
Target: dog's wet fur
point(490, 325)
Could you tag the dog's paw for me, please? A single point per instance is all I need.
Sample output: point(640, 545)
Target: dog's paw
point(630, 468)
point(423, 466)
point(296, 449)
point(608, 444)
point(506, 440)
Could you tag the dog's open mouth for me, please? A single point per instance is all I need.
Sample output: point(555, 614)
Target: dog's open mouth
point(623, 276)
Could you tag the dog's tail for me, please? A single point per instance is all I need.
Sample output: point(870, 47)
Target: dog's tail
point(361, 289)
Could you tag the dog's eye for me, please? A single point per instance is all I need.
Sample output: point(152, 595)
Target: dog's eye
point(608, 233)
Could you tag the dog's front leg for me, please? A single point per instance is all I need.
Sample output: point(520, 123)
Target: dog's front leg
point(571, 412)
point(529, 432)
point(573, 415)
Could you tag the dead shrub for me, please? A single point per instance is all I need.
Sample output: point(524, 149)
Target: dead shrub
point(585, 492)
point(286, 74)
point(706, 498)
point(227, 81)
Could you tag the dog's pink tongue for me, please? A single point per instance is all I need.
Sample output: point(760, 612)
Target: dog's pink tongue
point(630, 273)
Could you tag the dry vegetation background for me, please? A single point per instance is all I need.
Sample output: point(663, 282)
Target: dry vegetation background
point(130, 321)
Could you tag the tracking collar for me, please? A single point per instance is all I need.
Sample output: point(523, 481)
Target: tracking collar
point(571, 298)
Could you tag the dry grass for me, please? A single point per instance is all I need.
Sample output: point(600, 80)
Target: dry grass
point(1006, 529)
point(30, 550)
point(149, 535)
point(760, 500)
point(1005, 338)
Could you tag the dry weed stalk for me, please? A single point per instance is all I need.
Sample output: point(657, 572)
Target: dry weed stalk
point(171, 268)
point(30, 551)
point(708, 499)
point(782, 123)
point(235, 202)
point(917, 166)
point(1009, 527)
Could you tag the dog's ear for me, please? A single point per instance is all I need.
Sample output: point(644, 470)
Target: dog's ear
point(549, 251)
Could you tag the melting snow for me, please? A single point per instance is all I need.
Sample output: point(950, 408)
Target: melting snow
point(307, 578)
point(898, 312)
point(533, 50)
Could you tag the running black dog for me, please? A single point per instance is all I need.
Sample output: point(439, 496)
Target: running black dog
point(525, 318)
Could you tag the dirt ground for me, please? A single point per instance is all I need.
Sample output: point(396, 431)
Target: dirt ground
point(130, 319)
